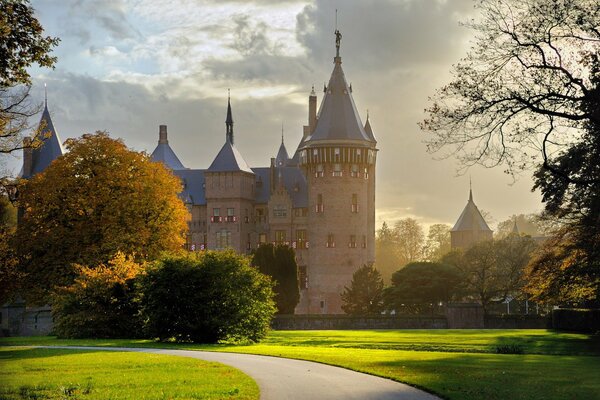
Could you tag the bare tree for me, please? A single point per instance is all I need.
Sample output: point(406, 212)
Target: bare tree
point(527, 89)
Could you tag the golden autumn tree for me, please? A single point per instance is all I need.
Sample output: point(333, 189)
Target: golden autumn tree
point(98, 199)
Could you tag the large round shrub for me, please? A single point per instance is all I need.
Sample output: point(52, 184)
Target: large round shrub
point(206, 297)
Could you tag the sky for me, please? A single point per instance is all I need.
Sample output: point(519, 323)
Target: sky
point(128, 66)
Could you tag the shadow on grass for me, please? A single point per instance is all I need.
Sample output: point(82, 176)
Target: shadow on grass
point(32, 353)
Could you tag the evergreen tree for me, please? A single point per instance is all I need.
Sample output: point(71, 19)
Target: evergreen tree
point(365, 294)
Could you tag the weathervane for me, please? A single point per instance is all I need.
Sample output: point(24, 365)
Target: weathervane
point(338, 37)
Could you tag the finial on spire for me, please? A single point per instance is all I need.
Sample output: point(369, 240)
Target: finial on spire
point(312, 92)
point(281, 132)
point(338, 38)
point(470, 190)
point(45, 95)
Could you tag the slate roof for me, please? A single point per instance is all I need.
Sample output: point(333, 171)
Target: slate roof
point(338, 118)
point(293, 180)
point(163, 153)
point(193, 185)
point(369, 130)
point(470, 219)
point(50, 149)
point(229, 159)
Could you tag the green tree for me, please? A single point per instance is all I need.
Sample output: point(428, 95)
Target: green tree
point(420, 286)
point(279, 262)
point(493, 270)
point(527, 96)
point(22, 45)
point(365, 294)
point(206, 297)
point(100, 303)
point(99, 199)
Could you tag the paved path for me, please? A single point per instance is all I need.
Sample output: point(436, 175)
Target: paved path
point(283, 378)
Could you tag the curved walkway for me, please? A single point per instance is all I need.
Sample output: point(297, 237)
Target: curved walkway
point(283, 378)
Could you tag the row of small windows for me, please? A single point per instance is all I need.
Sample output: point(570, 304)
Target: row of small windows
point(223, 240)
point(338, 170)
point(337, 154)
point(319, 208)
point(279, 211)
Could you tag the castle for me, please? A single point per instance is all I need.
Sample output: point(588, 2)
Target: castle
point(320, 201)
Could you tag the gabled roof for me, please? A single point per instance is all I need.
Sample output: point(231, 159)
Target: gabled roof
point(50, 148)
point(338, 118)
point(163, 153)
point(229, 159)
point(471, 219)
point(294, 182)
point(282, 158)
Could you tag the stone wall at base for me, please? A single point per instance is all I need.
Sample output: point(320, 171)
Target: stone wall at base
point(18, 320)
point(326, 322)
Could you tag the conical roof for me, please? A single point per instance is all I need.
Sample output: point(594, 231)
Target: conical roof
point(229, 159)
point(50, 148)
point(282, 158)
point(163, 152)
point(338, 118)
point(471, 219)
point(368, 129)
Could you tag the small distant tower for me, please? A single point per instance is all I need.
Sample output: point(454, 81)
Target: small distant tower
point(470, 227)
point(337, 156)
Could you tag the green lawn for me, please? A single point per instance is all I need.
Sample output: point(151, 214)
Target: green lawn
point(27, 373)
point(455, 364)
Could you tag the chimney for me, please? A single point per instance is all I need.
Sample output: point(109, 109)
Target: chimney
point(162, 134)
point(27, 157)
point(312, 111)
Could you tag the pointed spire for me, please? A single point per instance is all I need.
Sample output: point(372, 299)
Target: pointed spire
point(45, 96)
point(470, 190)
point(515, 229)
point(229, 120)
point(282, 133)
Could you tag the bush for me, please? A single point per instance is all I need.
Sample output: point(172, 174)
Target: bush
point(100, 303)
point(206, 297)
point(576, 320)
point(510, 348)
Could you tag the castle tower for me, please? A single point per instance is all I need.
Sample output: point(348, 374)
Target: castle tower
point(229, 191)
point(163, 152)
point(338, 159)
point(470, 227)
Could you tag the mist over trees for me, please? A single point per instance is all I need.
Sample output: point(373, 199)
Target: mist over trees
point(526, 97)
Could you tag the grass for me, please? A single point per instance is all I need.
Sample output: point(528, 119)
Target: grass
point(455, 364)
point(27, 373)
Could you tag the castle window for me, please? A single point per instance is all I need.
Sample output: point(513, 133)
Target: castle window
point(301, 239)
point(262, 238)
point(280, 211)
point(354, 171)
point(300, 212)
point(319, 205)
point(320, 171)
point(216, 217)
point(302, 277)
point(280, 237)
point(364, 241)
point(337, 170)
point(330, 240)
point(336, 154)
point(354, 203)
point(366, 173)
point(231, 215)
point(223, 239)
point(352, 242)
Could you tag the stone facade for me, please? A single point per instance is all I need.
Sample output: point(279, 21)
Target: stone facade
point(321, 201)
